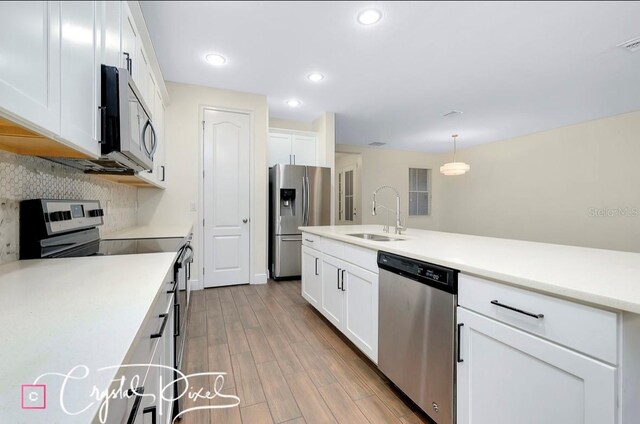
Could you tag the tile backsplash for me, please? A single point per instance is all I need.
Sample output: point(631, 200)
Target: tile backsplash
point(28, 177)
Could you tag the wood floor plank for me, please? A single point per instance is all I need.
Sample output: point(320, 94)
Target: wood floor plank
point(268, 324)
point(319, 373)
point(199, 416)
point(348, 378)
point(248, 317)
point(281, 403)
point(225, 415)
point(216, 330)
point(212, 303)
point(236, 338)
point(288, 328)
point(197, 324)
point(313, 407)
point(255, 302)
point(297, 421)
point(256, 414)
point(196, 301)
point(248, 383)
point(376, 411)
point(286, 357)
point(259, 345)
point(196, 359)
point(343, 408)
point(238, 296)
point(220, 361)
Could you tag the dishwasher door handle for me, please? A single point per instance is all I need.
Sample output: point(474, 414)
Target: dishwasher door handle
point(459, 336)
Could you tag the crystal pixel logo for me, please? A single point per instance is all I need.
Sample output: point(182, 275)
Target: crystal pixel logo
point(34, 396)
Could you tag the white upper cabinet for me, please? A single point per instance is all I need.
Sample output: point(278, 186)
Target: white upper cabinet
point(30, 70)
point(303, 150)
point(292, 149)
point(80, 74)
point(279, 148)
point(111, 33)
point(129, 41)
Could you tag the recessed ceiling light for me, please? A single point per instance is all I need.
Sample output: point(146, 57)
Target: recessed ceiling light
point(293, 102)
point(216, 59)
point(369, 16)
point(315, 77)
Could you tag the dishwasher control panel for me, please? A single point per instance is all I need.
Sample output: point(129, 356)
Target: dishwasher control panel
point(434, 275)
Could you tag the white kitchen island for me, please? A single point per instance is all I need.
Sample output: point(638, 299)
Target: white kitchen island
point(578, 364)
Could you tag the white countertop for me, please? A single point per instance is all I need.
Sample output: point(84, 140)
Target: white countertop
point(602, 277)
point(60, 313)
point(151, 231)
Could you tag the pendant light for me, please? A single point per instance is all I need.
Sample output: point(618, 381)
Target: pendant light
point(454, 168)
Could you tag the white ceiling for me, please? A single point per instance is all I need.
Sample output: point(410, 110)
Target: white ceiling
point(513, 68)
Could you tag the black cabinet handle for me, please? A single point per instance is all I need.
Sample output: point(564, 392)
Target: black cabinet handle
point(520, 311)
point(138, 392)
point(162, 166)
point(127, 58)
point(150, 410)
point(164, 317)
point(174, 288)
point(338, 279)
point(342, 288)
point(317, 266)
point(176, 312)
point(459, 331)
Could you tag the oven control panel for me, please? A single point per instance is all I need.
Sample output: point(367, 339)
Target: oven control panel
point(62, 216)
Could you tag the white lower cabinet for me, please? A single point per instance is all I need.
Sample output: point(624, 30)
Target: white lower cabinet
point(506, 375)
point(311, 276)
point(349, 300)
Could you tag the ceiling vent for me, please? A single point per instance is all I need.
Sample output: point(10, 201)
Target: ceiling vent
point(631, 45)
point(377, 144)
point(452, 113)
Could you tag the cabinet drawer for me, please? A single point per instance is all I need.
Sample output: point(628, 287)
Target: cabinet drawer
point(586, 329)
point(360, 256)
point(311, 240)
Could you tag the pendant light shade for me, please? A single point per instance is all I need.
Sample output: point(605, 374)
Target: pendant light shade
point(454, 168)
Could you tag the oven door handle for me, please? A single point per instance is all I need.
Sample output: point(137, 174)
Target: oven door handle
point(159, 334)
point(139, 393)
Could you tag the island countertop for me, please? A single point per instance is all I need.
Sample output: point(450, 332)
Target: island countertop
point(600, 277)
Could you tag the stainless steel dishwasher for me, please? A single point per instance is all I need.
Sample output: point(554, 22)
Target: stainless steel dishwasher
point(417, 332)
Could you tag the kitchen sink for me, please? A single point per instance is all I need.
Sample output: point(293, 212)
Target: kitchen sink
point(374, 237)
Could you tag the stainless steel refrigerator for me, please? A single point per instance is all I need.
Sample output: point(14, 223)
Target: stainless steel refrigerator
point(298, 196)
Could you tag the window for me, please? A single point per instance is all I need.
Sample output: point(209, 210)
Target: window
point(419, 183)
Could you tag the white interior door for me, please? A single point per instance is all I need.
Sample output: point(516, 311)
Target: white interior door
point(347, 201)
point(226, 198)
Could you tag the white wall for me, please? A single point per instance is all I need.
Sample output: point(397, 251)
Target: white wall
point(391, 167)
point(183, 161)
point(541, 187)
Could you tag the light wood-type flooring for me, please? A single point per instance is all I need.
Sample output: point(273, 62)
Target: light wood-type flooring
point(285, 362)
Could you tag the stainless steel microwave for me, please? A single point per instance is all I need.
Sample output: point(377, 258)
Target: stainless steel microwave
point(128, 135)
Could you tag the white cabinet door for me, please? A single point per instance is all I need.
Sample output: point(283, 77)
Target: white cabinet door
point(360, 323)
point(280, 149)
point(111, 28)
point(141, 74)
point(80, 70)
point(332, 299)
point(158, 123)
point(30, 62)
point(509, 376)
point(129, 40)
point(303, 150)
point(311, 276)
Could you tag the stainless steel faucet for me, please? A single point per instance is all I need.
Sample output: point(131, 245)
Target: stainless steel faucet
point(399, 227)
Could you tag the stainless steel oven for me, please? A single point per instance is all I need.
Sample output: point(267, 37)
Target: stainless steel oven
point(128, 135)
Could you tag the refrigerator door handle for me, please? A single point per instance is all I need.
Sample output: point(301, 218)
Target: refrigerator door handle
point(305, 201)
point(307, 190)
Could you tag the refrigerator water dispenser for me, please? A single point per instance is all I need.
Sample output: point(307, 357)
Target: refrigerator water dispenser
point(287, 202)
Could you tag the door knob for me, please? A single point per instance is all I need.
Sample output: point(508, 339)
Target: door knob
point(245, 220)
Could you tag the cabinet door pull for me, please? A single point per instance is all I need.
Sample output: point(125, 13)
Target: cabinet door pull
point(342, 288)
point(459, 334)
point(338, 279)
point(520, 311)
point(162, 167)
point(176, 314)
point(150, 410)
point(317, 266)
point(138, 392)
point(308, 240)
point(164, 317)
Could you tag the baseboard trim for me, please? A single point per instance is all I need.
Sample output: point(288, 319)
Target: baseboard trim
point(259, 279)
point(196, 285)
